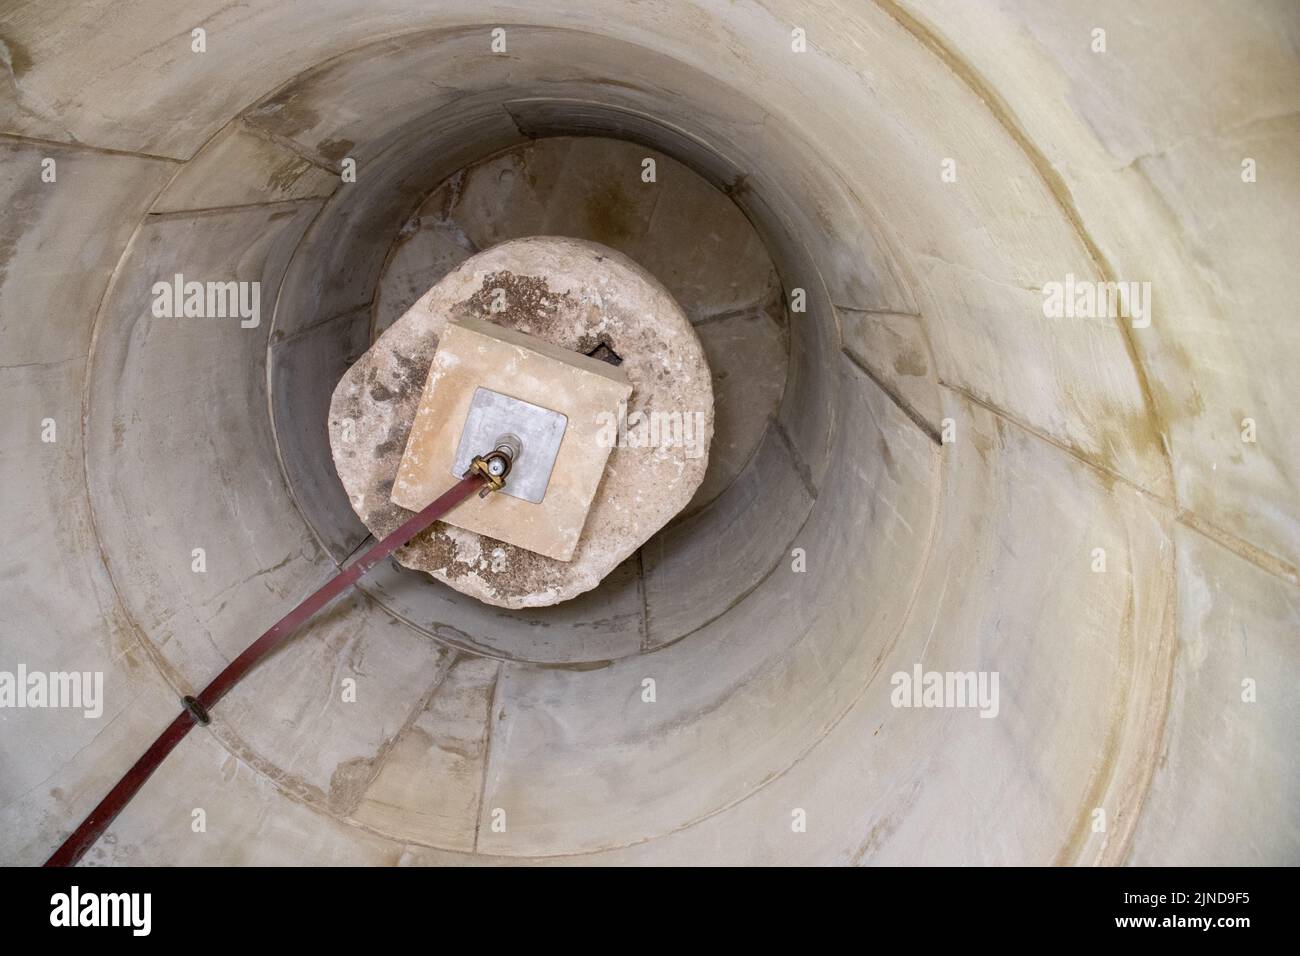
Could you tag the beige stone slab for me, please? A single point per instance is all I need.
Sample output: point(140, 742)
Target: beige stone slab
point(243, 167)
point(1226, 788)
point(475, 354)
point(893, 348)
point(746, 355)
point(249, 820)
point(428, 787)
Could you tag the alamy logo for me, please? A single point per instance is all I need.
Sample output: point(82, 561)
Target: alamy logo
point(946, 689)
point(103, 909)
point(652, 430)
point(55, 689)
point(1086, 299)
point(208, 300)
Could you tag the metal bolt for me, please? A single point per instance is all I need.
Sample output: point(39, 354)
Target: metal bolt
point(509, 445)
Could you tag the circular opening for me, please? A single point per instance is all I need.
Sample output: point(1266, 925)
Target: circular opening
point(675, 224)
point(551, 144)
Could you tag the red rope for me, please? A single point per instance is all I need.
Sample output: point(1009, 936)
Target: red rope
point(93, 827)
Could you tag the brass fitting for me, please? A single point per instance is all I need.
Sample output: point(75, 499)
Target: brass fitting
point(495, 465)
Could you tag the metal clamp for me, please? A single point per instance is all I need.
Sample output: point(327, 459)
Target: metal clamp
point(495, 465)
point(197, 710)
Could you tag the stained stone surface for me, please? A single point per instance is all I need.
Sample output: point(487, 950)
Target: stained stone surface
point(574, 294)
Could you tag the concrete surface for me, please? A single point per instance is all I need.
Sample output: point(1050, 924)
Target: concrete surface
point(952, 479)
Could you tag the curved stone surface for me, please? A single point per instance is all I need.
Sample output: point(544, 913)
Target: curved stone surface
point(1100, 511)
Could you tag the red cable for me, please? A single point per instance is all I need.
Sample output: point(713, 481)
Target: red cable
point(197, 708)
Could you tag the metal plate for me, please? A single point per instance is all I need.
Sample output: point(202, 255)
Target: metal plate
point(538, 429)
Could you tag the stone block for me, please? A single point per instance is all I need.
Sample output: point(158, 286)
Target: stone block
point(475, 354)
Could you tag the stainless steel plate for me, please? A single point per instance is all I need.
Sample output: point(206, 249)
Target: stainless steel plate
point(539, 430)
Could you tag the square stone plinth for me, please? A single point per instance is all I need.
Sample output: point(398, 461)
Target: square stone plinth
point(473, 354)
